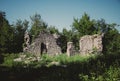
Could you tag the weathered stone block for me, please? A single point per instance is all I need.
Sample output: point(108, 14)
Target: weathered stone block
point(91, 43)
point(27, 41)
point(70, 49)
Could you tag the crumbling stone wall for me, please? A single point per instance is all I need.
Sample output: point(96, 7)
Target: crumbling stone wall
point(26, 41)
point(91, 43)
point(70, 49)
point(44, 43)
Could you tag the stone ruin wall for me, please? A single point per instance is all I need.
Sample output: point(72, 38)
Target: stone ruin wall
point(45, 43)
point(70, 49)
point(26, 41)
point(90, 44)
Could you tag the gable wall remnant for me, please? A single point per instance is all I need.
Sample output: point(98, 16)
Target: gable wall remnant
point(44, 43)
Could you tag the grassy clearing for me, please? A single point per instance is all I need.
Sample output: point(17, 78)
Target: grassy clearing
point(45, 60)
point(63, 68)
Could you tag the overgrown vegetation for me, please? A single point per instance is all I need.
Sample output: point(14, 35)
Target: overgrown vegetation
point(45, 60)
point(63, 68)
point(12, 35)
point(105, 67)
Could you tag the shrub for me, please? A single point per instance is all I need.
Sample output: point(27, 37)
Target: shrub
point(8, 59)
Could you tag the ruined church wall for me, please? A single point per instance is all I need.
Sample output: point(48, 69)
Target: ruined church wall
point(45, 43)
point(90, 43)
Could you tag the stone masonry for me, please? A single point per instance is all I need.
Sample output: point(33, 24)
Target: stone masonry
point(70, 49)
point(27, 41)
point(91, 43)
point(45, 43)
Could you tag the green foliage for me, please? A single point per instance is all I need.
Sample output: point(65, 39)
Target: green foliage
point(53, 30)
point(44, 60)
point(67, 36)
point(38, 25)
point(6, 34)
point(111, 40)
point(84, 26)
point(11, 36)
point(62, 68)
point(20, 27)
point(75, 68)
point(111, 74)
point(8, 59)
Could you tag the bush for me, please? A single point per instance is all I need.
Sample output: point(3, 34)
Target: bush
point(63, 68)
point(111, 74)
point(8, 59)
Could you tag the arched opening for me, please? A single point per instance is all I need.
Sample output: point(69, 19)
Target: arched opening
point(43, 48)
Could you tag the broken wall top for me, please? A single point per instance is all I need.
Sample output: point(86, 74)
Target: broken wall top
point(45, 43)
point(91, 43)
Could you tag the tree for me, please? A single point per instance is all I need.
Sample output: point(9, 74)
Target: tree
point(101, 26)
point(111, 40)
point(6, 34)
point(53, 30)
point(84, 26)
point(2, 18)
point(81, 27)
point(19, 31)
point(65, 37)
point(75, 39)
point(38, 25)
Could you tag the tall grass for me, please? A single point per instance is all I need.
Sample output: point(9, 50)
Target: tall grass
point(8, 59)
point(63, 68)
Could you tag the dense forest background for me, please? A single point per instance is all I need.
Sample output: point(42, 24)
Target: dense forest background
point(105, 67)
point(12, 35)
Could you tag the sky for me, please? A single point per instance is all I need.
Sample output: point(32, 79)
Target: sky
point(60, 13)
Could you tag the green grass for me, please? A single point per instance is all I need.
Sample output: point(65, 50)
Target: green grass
point(8, 59)
point(63, 68)
point(45, 60)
